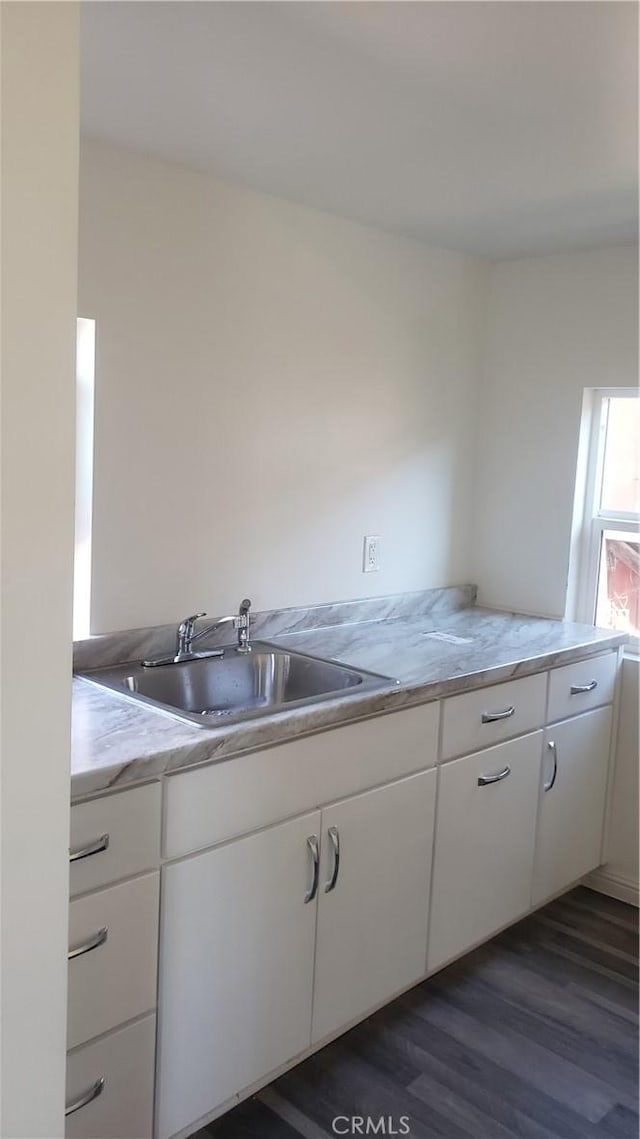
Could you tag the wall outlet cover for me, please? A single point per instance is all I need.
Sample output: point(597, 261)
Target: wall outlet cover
point(371, 554)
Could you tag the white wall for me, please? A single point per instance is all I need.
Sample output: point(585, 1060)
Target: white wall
point(556, 326)
point(39, 266)
point(273, 383)
point(620, 874)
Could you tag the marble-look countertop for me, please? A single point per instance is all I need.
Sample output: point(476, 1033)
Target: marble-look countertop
point(117, 742)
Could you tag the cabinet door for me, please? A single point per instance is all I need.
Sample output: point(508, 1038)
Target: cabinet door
point(572, 801)
point(373, 903)
point(236, 968)
point(484, 848)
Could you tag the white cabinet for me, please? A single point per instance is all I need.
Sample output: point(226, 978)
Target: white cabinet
point(224, 800)
point(110, 1085)
point(373, 899)
point(113, 954)
point(572, 801)
point(113, 837)
point(238, 942)
point(236, 968)
point(486, 716)
point(578, 687)
point(484, 847)
point(302, 893)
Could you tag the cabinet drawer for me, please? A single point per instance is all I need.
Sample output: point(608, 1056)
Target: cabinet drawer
point(484, 848)
point(114, 979)
point(579, 687)
point(114, 837)
point(484, 717)
point(123, 1109)
point(231, 798)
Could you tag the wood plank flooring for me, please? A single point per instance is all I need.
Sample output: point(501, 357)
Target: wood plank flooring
point(533, 1036)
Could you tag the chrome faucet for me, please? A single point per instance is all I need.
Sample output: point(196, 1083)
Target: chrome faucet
point(187, 637)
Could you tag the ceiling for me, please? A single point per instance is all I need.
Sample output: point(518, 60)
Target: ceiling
point(496, 128)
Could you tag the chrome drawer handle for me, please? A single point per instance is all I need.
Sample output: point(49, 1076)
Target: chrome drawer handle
point(485, 780)
point(490, 717)
point(86, 1097)
point(576, 689)
point(553, 748)
point(96, 847)
point(312, 843)
point(335, 842)
point(98, 939)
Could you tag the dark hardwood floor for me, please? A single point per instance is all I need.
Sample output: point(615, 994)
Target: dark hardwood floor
point(534, 1035)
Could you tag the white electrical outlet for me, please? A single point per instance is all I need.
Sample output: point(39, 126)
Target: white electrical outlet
point(371, 554)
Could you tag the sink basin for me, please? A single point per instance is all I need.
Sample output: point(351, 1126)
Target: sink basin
point(222, 690)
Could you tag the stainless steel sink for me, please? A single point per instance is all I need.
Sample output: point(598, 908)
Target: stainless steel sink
point(214, 691)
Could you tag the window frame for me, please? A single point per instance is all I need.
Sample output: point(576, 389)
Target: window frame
point(595, 520)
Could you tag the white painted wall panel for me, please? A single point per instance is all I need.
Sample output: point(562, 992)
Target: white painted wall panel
point(557, 325)
point(272, 384)
point(40, 53)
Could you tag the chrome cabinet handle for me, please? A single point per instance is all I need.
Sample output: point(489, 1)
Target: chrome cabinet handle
point(312, 843)
point(96, 847)
point(98, 939)
point(485, 780)
point(86, 1097)
point(576, 689)
point(553, 748)
point(335, 843)
point(491, 717)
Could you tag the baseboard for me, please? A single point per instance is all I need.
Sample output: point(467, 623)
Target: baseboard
point(615, 885)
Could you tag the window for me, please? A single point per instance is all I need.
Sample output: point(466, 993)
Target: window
point(609, 593)
point(85, 377)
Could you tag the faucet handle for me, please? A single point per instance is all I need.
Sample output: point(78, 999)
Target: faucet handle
point(185, 631)
point(189, 622)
